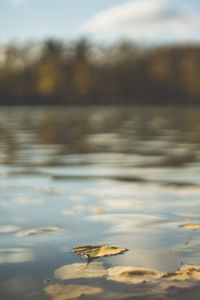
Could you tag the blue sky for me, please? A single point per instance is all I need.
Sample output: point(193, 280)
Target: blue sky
point(141, 20)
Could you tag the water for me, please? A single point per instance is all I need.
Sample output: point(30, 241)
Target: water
point(125, 177)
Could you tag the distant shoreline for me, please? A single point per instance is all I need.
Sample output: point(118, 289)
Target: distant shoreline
point(85, 74)
point(96, 105)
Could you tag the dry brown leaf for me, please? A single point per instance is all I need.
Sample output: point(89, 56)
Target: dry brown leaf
point(36, 231)
point(133, 275)
point(106, 251)
point(71, 291)
point(80, 271)
point(94, 252)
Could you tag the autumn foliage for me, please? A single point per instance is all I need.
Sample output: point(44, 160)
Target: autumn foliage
point(82, 73)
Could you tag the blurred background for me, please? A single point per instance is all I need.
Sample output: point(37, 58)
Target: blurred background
point(99, 137)
point(99, 52)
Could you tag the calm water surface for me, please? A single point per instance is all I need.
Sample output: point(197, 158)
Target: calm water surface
point(119, 176)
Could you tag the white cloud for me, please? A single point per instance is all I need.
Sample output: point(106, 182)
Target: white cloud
point(147, 21)
point(18, 2)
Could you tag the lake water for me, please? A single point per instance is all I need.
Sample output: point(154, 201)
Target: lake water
point(125, 177)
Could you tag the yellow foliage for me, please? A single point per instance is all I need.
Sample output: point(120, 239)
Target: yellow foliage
point(190, 70)
point(82, 80)
point(48, 78)
point(160, 68)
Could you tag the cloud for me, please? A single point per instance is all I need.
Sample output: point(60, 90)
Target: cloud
point(18, 2)
point(147, 21)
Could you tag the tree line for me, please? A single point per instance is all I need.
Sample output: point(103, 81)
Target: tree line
point(84, 73)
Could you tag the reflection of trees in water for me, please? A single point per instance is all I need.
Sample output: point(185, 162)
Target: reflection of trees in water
point(8, 145)
point(70, 130)
point(131, 127)
point(170, 134)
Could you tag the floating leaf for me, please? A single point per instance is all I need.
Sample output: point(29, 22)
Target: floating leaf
point(40, 230)
point(184, 273)
point(190, 226)
point(94, 252)
point(99, 210)
point(80, 271)
point(71, 291)
point(132, 274)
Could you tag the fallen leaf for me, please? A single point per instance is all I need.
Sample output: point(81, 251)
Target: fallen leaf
point(132, 274)
point(80, 271)
point(36, 231)
point(94, 252)
point(184, 273)
point(190, 226)
point(99, 210)
point(71, 291)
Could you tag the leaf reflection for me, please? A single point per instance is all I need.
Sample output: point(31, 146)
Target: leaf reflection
point(186, 272)
point(80, 271)
point(132, 274)
point(71, 291)
point(36, 231)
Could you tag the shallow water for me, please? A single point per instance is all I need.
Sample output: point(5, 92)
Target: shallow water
point(126, 177)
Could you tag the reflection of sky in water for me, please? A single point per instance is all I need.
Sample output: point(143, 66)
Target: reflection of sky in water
point(122, 183)
point(15, 255)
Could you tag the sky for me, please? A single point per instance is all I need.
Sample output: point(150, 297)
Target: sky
point(143, 21)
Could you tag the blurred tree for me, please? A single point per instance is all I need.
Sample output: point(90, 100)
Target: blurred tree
point(84, 73)
point(190, 74)
point(49, 70)
point(82, 78)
